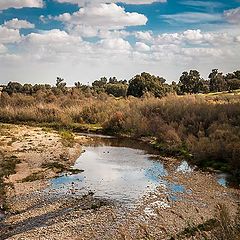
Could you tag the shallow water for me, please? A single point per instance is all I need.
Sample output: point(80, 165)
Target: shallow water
point(116, 169)
point(121, 170)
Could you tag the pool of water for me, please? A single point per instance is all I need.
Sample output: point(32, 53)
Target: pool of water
point(116, 169)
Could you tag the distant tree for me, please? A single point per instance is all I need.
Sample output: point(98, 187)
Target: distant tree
point(78, 84)
point(41, 87)
point(217, 81)
point(204, 86)
point(113, 80)
point(141, 84)
point(233, 80)
point(237, 74)
point(191, 82)
point(175, 87)
point(99, 83)
point(233, 84)
point(27, 89)
point(116, 89)
point(60, 84)
point(13, 87)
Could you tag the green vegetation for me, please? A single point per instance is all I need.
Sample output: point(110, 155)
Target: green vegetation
point(203, 128)
point(7, 167)
point(190, 231)
point(33, 177)
point(67, 138)
point(222, 227)
point(55, 166)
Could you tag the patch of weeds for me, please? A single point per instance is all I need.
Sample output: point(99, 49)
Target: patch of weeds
point(191, 231)
point(33, 177)
point(166, 150)
point(67, 138)
point(46, 129)
point(55, 166)
point(7, 167)
point(94, 206)
point(75, 171)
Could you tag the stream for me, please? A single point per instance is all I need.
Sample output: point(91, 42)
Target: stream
point(119, 170)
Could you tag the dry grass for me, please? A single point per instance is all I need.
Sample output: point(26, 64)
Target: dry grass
point(205, 128)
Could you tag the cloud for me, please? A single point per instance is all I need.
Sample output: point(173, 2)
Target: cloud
point(50, 45)
point(186, 38)
point(15, 23)
point(20, 4)
point(9, 35)
point(90, 19)
point(191, 18)
point(115, 44)
point(237, 39)
point(233, 15)
point(202, 4)
point(3, 49)
point(82, 3)
point(145, 36)
point(142, 47)
point(61, 53)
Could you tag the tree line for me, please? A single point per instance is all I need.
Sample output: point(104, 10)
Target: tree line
point(189, 83)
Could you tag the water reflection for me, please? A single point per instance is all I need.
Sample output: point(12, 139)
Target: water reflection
point(121, 170)
point(116, 169)
point(184, 167)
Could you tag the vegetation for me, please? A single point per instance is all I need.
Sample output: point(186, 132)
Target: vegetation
point(7, 167)
point(33, 177)
point(55, 166)
point(222, 227)
point(67, 138)
point(204, 128)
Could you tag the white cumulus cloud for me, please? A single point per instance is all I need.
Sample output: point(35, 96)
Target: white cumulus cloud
point(15, 23)
point(102, 16)
point(5, 4)
point(9, 35)
point(142, 47)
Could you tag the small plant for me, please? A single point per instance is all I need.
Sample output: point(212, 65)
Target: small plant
point(67, 138)
point(55, 166)
point(228, 228)
point(33, 177)
point(7, 167)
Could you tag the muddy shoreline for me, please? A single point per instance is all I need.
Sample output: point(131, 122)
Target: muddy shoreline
point(34, 213)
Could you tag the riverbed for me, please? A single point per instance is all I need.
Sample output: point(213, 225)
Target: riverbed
point(122, 190)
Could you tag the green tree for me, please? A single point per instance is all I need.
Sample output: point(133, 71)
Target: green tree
point(13, 87)
point(237, 74)
point(116, 89)
point(27, 89)
point(60, 84)
point(99, 83)
point(233, 80)
point(191, 82)
point(217, 81)
point(141, 84)
point(113, 80)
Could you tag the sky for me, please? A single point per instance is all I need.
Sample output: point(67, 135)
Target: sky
point(83, 40)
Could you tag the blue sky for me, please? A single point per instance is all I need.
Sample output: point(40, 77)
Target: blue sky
point(81, 40)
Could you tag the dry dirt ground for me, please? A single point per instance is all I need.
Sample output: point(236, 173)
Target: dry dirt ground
point(34, 213)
